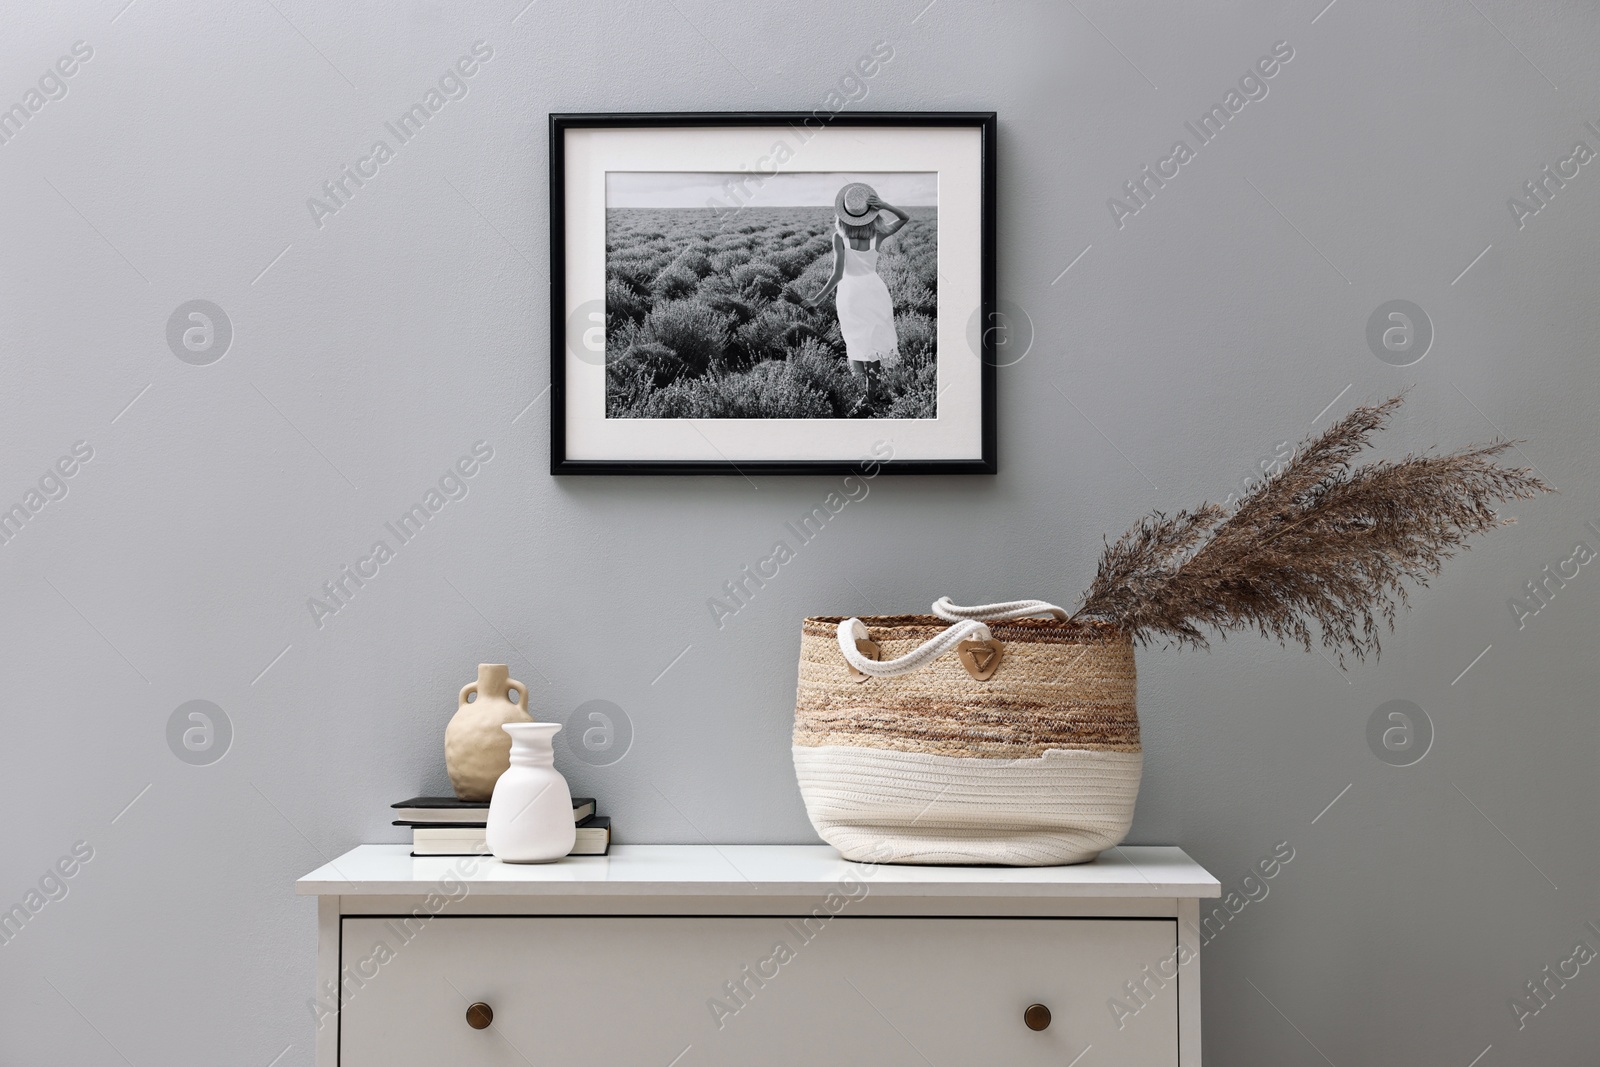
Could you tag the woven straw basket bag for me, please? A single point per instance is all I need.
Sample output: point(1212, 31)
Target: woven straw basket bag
point(974, 735)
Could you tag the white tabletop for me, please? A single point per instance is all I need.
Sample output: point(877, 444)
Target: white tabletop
point(768, 870)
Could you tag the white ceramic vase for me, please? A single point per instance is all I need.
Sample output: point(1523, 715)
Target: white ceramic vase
point(530, 814)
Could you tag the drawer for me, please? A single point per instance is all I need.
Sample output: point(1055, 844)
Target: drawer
point(606, 991)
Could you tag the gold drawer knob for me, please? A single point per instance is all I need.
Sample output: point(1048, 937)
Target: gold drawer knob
point(480, 1015)
point(1037, 1016)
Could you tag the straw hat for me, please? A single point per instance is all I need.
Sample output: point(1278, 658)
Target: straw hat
point(851, 204)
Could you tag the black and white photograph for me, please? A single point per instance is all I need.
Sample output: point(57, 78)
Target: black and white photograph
point(772, 291)
point(815, 297)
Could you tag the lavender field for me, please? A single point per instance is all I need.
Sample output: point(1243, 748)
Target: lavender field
point(705, 319)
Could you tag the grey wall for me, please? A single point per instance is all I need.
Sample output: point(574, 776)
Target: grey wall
point(368, 354)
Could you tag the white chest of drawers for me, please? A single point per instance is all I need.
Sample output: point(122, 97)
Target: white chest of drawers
point(689, 955)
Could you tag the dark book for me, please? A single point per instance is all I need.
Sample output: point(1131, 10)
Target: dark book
point(594, 839)
point(452, 811)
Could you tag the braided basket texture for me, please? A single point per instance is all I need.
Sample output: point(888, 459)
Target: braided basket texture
point(1039, 765)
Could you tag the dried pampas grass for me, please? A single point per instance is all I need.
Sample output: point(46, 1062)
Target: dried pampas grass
point(1321, 543)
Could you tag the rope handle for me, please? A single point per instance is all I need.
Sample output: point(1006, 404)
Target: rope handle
point(1011, 609)
point(967, 624)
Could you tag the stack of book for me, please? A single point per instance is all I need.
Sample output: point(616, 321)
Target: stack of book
point(446, 826)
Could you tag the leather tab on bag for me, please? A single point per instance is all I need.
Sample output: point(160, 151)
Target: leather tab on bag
point(871, 651)
point(980, 658)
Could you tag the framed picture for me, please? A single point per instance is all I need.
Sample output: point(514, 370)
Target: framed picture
point(772, 293)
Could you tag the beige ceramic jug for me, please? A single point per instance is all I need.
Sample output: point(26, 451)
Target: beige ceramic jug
point(476, 750)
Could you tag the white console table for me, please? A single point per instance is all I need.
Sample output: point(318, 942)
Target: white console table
point(684, 955)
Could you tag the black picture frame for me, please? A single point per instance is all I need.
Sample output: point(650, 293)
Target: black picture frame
point(983, 121)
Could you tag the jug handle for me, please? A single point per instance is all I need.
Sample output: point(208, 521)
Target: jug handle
point(522, 693)
point(470, 687)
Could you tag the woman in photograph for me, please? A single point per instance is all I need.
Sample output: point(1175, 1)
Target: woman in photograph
point(866, 314)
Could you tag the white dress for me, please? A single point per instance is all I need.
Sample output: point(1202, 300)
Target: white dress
point(866, 314)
